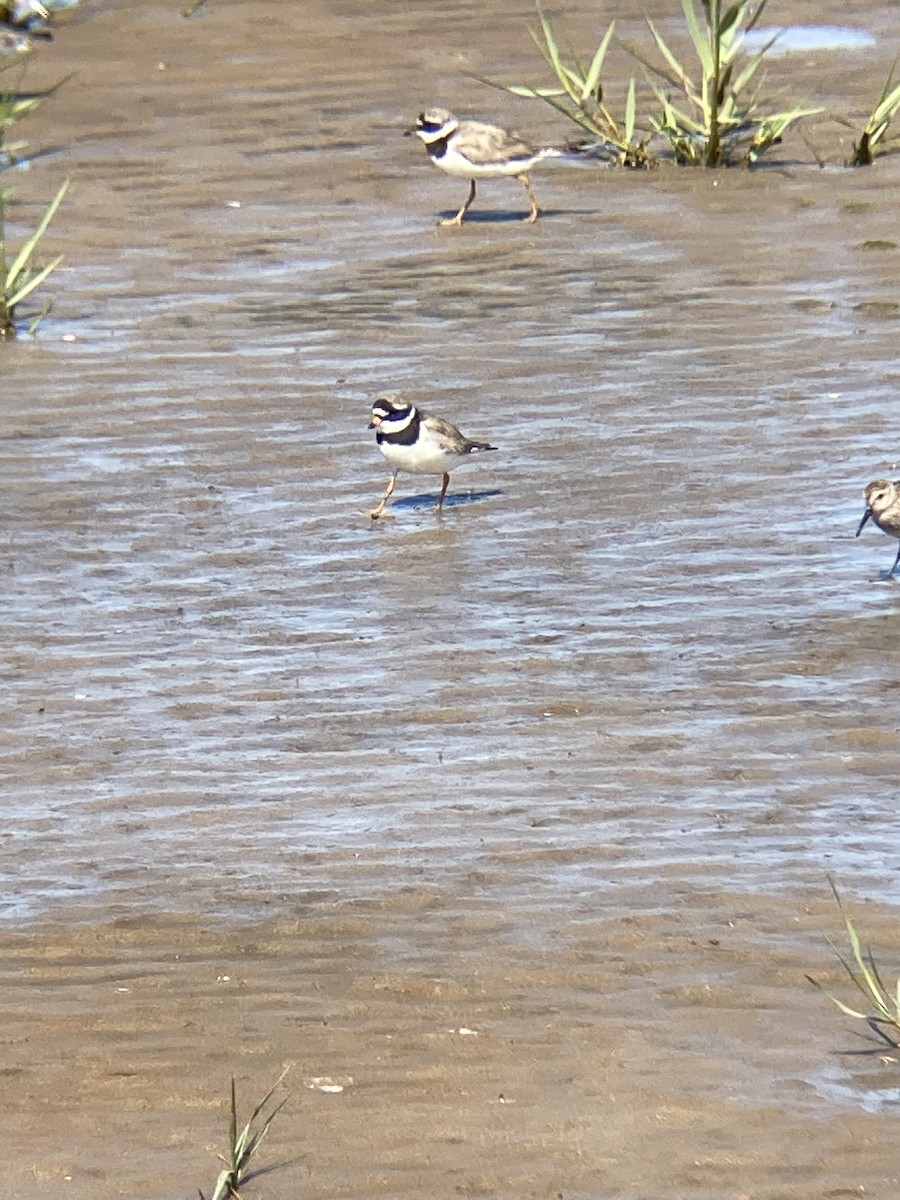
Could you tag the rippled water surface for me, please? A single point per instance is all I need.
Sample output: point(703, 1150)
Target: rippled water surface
point(647, 648)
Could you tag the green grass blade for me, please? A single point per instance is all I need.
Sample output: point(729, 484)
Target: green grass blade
point(680, 73)
point(572, 82)
point(31, 244)
point(221, 1189)
point(756, 14)
point(699, 37)
point(574, 115)
point(746, 74)
point(675, 116)
point(630, 107)
point(258, 1134)
point(35, 281)
point(845, 1008)
point(593, 75)
point(731, 19)
point(886, 109)
point(232, 1129)
point(551, 51)
point(649, 66)
point(522, 89)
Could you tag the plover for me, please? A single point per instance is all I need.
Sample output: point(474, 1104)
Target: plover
point(883, 506)
point(476, 151)
point(412, 441)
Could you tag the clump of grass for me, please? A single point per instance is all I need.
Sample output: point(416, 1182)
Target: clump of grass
point(243, 1146)
point(712, 114)
point(873, 142)
point(20, 277)
point(717, 121)
point(579, 96)
point(20, 273)
point(881, 1011)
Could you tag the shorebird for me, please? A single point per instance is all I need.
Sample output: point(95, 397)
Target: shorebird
point(412, 441)
point(883, 506)
point(476, 151)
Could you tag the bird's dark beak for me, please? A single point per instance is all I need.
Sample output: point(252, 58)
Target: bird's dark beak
point(376, 421)
point(408, 132)
point(865, 518)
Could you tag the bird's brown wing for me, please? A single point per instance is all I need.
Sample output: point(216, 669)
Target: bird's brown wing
point(486, 143)
point(448, 434)
point(456, 442)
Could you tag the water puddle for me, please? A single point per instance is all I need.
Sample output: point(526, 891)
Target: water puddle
point(840, 1087)
point(798, 39)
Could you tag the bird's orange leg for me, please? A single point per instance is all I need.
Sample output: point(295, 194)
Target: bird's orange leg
point(535, 211)
point(440, 503)
point(457, 220)
point(376, 512)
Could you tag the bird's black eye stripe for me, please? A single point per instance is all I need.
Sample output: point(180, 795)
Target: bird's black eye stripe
point(391, 413)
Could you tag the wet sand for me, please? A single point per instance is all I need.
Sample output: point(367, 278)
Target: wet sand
point(516, 825)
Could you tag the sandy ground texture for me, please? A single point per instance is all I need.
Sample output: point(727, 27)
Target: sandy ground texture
point(509, 831)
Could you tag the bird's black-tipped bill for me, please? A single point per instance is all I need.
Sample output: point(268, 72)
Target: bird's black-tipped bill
point(862, 523)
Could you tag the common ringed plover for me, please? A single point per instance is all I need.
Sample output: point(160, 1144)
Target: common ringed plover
point(476, 151)
point(883, 506)
point(412, 441)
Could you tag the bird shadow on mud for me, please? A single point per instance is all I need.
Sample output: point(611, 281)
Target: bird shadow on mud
point(455, 500)
point(501, 216)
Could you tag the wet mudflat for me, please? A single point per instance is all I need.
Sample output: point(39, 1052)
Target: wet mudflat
point(566, 768)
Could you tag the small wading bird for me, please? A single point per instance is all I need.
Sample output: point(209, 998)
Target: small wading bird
point(475, 151)
point(414, 442)
point(883, 506)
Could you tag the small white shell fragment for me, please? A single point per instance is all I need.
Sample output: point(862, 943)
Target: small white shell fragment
point(324, 1083)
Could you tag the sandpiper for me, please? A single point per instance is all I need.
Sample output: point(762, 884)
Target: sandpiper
point(883, 506)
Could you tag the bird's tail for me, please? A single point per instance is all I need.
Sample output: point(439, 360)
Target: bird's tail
point(594, 152)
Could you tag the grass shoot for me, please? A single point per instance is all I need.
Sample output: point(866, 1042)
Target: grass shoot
point(20, 276)
point(872, 141)
point(243, 1145)
point(717, 119)
point(881, 1008)
point(579, 96)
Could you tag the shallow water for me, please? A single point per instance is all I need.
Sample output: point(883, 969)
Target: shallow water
point(805, 38)
point(657, 650)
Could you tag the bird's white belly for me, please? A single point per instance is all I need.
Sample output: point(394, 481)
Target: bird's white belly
point(422, 458)
point(457, 164)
